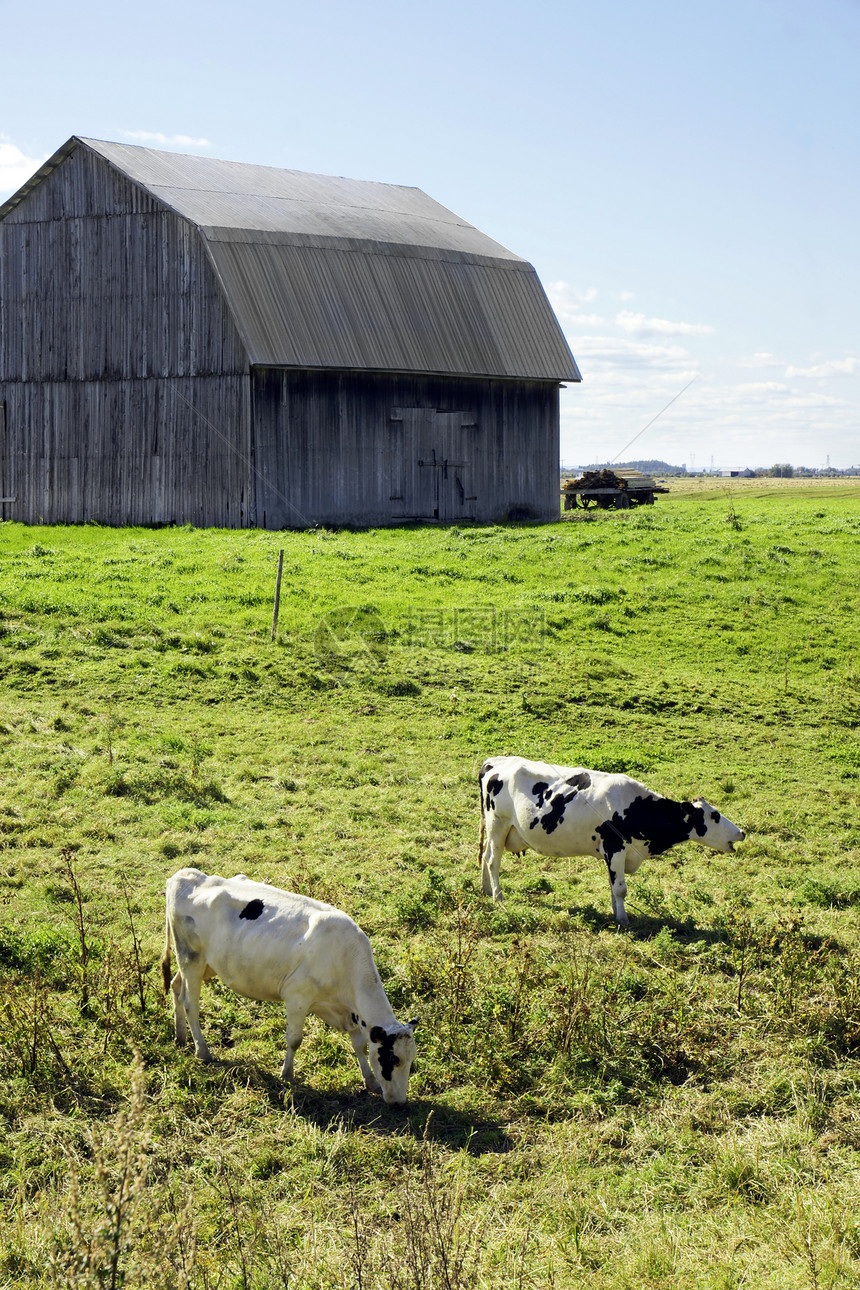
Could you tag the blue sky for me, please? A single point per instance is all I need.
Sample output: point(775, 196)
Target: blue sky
point(683, 176)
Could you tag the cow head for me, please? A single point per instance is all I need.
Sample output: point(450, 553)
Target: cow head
point(391, 1051)
point(719, 832)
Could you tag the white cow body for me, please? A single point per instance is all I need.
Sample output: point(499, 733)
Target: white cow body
point(571, 811)
point(266, 943)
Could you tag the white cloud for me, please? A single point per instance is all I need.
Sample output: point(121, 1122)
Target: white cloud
point(833, 367)
point(562, 293)
point(620, 350)
point(15, 167)
point(805, 402)
point(745, 409)
point(567, 302)
point(166, 140)
point(760, 359)
point(582, 320)
point(639, 325)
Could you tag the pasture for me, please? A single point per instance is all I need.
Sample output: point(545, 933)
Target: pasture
point(679, 1106)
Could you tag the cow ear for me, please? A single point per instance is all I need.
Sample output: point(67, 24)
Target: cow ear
point(413, 1024)
point(377, 1035)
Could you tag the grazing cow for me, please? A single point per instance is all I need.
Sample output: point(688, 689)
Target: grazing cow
point(561, 811)
point(270, 944)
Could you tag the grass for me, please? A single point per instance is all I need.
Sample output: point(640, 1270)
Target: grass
point(680, 1106)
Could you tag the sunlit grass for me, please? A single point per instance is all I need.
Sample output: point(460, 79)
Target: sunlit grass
point(680, 1106)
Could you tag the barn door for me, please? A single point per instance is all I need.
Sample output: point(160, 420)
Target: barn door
point(432, 464)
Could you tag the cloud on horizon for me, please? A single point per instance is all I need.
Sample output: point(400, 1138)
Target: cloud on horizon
point(751, 408)
point(832, 367)
point(639, 325)
point(166, 140)
point(15, 167)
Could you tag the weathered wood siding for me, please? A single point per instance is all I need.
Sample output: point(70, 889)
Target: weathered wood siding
point(126, 394)
point(153, 451)
point(372, 449)
point(124, 379)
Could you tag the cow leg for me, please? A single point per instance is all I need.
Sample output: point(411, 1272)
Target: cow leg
point(180, 1027)
point(186, 1003)
point(618, 890)
point(491, 858)
point(295, 1017)
point(358, 1039)
point(486, 869)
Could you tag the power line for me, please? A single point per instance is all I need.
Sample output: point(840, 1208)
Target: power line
point(653, 419)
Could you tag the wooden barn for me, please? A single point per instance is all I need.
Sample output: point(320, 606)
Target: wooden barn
point(185, 340)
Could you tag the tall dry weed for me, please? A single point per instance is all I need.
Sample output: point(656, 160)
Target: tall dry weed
point(433, 1245)
point(109, 1238)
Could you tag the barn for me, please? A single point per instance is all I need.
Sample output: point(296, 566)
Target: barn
point(187, 340)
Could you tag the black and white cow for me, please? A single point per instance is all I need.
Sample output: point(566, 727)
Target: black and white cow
point(562, 811)
point(266, 943)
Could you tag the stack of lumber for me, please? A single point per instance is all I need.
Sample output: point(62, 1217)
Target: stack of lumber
point(597, 479)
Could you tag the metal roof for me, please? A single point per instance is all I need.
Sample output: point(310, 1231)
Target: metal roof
point(328, 272)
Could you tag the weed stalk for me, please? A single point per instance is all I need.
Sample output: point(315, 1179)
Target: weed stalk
point(141, 982)
point(68, 858)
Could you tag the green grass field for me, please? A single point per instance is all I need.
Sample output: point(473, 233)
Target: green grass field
point(675, 1107)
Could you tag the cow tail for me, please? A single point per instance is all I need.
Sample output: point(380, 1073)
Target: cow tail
point(483, 822)
point(166, 968)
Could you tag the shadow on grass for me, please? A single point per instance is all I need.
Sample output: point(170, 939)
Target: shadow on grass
point(359, 1110)
point(646, 927)
point(452, 1129)
point(685, 931)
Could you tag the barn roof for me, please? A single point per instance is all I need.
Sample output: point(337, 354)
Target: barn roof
point(326, 272)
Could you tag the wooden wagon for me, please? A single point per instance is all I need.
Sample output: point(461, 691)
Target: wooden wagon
point(610, 489)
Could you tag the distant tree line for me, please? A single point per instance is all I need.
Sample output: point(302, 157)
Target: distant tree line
point(652, 467)
point(781, 470)
point(785, 470)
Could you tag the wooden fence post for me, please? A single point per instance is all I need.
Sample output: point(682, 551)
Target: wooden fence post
point(278, 592)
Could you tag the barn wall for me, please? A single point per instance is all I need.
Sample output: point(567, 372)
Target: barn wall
point(127, 452)
point(124, 379)
point(100, 282)
point(367, 450)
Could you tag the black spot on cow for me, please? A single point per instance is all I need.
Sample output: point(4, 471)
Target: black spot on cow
point(554, 816)
point(696, 816)
point(613, 836)
point(657, 821)
point(355, 1018)
point(715, 816)
point(580, 781)
point(540, 792)
point(494, 786)
point(388, 1059)
point(252, 910)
